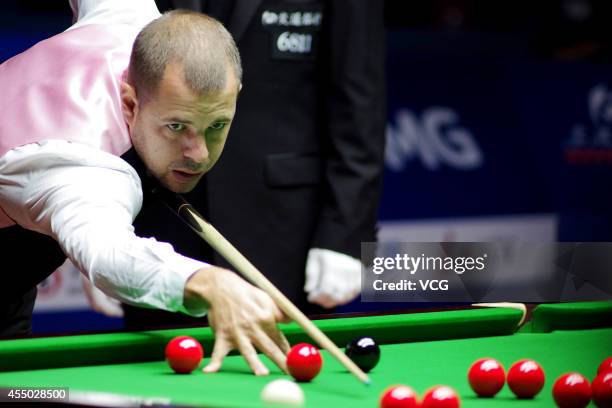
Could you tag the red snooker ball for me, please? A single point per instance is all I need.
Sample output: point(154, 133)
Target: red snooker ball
point(304, 362)
point(572, 390)
point(184, 354)
point(605, 366)
point(602, 390)
point(399, 396)
point(525, 378)
point(486, 377)
point(440, 396)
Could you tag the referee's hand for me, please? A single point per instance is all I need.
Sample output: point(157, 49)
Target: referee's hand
point(242, 317)
point(332, 278)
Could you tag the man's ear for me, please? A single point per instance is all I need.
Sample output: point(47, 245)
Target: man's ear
point(129, 103)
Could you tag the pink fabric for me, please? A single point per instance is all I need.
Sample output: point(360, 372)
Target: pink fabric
point(67, 87)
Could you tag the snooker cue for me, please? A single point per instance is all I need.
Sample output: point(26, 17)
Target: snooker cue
point(214, 238)
point(509, 305)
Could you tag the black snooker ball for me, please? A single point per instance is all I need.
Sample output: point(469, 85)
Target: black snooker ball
point(364, 352)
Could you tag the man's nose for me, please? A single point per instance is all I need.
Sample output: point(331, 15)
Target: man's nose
point(195, 149)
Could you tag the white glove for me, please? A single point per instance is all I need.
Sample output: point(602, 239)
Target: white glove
point(332, 278)
point(99, 301)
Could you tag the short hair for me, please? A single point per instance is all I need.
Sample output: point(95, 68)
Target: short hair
point(199, 43)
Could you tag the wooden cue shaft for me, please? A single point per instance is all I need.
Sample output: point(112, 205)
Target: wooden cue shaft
point(510, 305)
point(238, 261)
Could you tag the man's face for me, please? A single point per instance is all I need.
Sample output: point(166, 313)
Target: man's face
point(178, 134)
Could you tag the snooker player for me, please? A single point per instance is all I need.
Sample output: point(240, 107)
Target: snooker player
point(88, 117)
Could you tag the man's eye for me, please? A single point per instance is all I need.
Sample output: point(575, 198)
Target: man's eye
point(218, 125)
point(176, 127)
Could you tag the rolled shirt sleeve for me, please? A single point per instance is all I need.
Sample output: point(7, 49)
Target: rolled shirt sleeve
point(87, 199)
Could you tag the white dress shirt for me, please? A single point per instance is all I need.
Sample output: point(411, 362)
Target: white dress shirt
point(85, 197)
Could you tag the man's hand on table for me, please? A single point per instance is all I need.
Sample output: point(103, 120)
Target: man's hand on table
point(242, 317)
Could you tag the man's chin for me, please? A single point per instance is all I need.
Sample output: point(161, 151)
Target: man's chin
point(182, 189)
point(179, 187)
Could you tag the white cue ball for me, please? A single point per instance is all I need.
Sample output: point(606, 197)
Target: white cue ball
point(283, 392)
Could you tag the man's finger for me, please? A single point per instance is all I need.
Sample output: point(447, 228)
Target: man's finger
point(220, 350)
point(278, 337)
point(268, 345)
point(282, 342)
point(281, 317)
point(250, 355)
